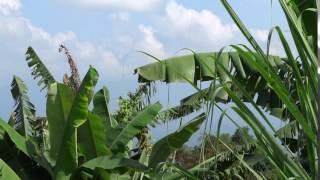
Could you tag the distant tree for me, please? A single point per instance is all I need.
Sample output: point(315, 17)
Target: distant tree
point(242, 136)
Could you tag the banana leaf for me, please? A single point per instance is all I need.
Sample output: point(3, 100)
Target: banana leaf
point(6, 172)
point(119, 137)
point(165, 146)
point(39, 70)
point(67, 159)
point(59, 102)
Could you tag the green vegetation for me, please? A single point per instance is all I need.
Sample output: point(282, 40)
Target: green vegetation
point(226, 165)
point(284, 87)
point(79, 141)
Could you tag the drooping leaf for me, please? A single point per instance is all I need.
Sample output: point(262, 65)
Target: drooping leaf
point(165, 146)
point(39, 70)
point(24, 113)
point(197, 66)
point(119, 140)
point(208, 66)
point(68, 156)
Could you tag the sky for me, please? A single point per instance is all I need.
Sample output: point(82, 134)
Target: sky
point(108, 33)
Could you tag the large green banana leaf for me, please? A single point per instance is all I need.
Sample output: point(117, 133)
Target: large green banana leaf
point(67, 159)
point(200, 66)
point(119, 137)
point(59, 102)
point(165, 146)
point(205, 66)
point(92, 137)
point(6, 172)
point(39, 70)
point(109, 163)
point(24, 113)
point(15, 137)
point(100, 107)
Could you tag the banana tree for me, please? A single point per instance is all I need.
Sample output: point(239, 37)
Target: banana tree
point(76, 135)
point(111, 162)
point(77, 142)
point(285, 87)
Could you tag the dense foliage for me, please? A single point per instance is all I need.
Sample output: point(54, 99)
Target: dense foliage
point(78, 141)
point(256, 82)
point(226, 165)
point(74, 141)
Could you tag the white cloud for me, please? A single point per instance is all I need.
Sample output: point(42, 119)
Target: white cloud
point(18, 28)
point(191, 28)
point(202, 29)
point(130, 5)
point(150, 43)
point(260, 34)
point(197, 26)
point(17, 33)
point(9, 6)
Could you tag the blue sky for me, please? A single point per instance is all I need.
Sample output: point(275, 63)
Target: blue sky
point(107, 34)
